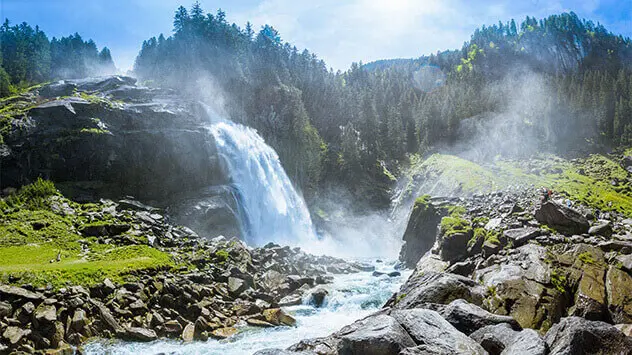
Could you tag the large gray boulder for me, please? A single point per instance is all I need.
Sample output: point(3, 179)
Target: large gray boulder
point(575, 335)
point(433, 287)
point(467, 317)
point(429, 329)
point(378, 335)
point(421, 232)
point(501, 339)
point(562, 218)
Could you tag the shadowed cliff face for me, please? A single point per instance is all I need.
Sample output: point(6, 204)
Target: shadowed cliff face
point(107, 137)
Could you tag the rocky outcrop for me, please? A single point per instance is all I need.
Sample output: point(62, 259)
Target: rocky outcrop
point(562, 218)
point(108, 138)
point(420, 231)
point(575, 335)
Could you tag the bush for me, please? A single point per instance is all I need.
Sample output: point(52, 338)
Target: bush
point(33, 196)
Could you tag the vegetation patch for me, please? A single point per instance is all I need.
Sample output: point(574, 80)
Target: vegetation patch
point(41, 243)
point(452, 225)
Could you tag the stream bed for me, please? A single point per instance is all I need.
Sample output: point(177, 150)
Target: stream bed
point(351, 297)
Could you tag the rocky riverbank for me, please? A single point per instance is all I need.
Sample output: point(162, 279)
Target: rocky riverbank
point(504, 273)
point(121, 270)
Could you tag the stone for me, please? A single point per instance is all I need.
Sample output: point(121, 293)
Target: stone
point(107, 317)
point(521, 236)
point(433, 287)
point(317, 296)
point(223, 333)
point(188, 332)
point(562, 218)
point(79, 320)
point(624, 261)
point(45, 314)
point(374, 335)
point(427, 327)
point(277, 316)
point(15, 334)
point(468, 318)
point(575, 335)
point(173, 328)
point(527, 341)
point(453, 246)
point(5, 309)
point(619, 291)
point(140, 334)
point(8, 291)
point(421, 231)
point(494, 338)
point(625, 329)
point(236, 285)
point(259, 323)
point(604, 229)
point(590, 297)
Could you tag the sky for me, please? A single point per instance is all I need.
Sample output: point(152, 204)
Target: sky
point(339, 31)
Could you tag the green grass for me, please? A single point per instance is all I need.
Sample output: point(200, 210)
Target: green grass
point(587, 258)
point(558, 280)
point(32, 235)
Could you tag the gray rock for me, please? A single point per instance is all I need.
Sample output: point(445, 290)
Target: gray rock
point(527, 341)
point(8, 291)
point(140, 334)
point(374, 335)
point(562, 218)
point(79, 320)
point(108, 318)
point(5, 309)
point(604, 228)
point(15, 334)
point(420, 234)
point(624, 260)
point(317, 296)
point(575, 335)
point(468, 318)
point(429, 328)
point(236, 285)
point(432, 287)
point(45, 314)
point(521, 236)
point(494, 338)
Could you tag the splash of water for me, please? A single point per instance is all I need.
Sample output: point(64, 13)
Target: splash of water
point(272, 210)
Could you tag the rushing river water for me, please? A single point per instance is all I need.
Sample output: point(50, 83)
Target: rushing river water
point(351, 297)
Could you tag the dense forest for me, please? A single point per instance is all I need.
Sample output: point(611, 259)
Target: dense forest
point(564, 82)
point(28, 57)
point(560, 84)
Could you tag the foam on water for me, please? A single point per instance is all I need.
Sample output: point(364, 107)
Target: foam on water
point(351, 297)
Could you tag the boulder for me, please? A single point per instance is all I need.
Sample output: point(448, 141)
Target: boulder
point(428, 328)
point(277, 316)
point(468, 318)
point(223, 333)
point(236, 285)
point(575, 335)
point(188, 332)
point(433, 287)
point(494, 338)
point(140, 334)
point(453, 246)
point(521, 236)
point(9, 292)
point(5, 309)
point(14, 335)
point(374, 335)
point(421, 232)
point(603, 228)
point(619, 290)
point(590, 297)
point(45, 315)
point(562, 218)
point(317, 296)
point(527, 341)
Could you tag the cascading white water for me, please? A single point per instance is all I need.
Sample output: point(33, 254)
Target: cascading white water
point(272, 210)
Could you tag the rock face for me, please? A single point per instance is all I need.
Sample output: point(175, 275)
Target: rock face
point(106, 137)
point(562, 218)
point(420, 231)
point(575, 335)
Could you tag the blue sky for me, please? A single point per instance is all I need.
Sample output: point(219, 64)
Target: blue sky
point(339, 31)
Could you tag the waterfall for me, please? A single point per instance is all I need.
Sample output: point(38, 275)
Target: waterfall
point(271, 209)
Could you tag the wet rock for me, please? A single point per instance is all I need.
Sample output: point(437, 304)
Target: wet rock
point(317, 296)
point(277, 316)
point(140, 334)
point(394, 274)
point(258, 323)
point(430, 329)
point(468, 318)
point(224, 333)
point(188, 332)
point(562, 218)
point(575, 335)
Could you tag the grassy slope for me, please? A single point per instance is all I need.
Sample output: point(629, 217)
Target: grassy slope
point(587, 180)
point(32, 235)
